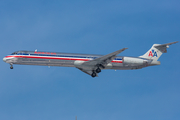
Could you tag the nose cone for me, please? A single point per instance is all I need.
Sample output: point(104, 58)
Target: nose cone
point(4, 59)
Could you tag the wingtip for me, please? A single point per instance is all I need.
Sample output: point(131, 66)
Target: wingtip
point(176, 42)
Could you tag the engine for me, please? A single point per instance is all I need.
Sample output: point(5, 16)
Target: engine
point(133, 61)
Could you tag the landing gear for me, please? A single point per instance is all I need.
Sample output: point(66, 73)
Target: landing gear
point(93, 74)
point(11, 66)
point(102, 66)
point(99, 66)
point(98, 70)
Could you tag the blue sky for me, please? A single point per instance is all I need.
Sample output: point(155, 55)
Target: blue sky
point(94, 27)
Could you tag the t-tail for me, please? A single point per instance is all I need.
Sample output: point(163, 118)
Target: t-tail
point(156, 51)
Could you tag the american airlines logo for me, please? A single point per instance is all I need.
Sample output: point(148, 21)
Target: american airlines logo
point(153, 53)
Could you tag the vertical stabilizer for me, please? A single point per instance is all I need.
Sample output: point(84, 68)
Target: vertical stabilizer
point(156, 51)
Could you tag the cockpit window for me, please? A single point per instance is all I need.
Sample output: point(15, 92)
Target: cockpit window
point(14, 53)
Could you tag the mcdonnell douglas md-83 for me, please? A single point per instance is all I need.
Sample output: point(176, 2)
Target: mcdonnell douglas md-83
point(88, 63)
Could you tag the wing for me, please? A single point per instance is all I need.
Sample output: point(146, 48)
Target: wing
point(90, 66)
point(104, 60)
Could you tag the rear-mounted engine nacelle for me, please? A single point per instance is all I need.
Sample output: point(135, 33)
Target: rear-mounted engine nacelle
point(133, 61)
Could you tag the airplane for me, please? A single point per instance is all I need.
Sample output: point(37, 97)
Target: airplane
point(89, 63)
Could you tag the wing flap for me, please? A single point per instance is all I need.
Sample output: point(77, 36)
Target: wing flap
point(89, 72)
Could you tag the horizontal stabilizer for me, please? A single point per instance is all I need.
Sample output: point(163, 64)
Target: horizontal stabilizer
point(163, 47)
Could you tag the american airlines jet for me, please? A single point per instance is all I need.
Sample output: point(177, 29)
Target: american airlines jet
point(88, 63)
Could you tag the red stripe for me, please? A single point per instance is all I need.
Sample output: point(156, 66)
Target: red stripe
point(117, 61)
point(55, 58)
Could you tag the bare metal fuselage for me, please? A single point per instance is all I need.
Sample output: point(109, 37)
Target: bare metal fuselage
point(88, 63)
point(67, 60)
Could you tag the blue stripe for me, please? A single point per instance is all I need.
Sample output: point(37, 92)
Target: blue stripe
point(62, 56)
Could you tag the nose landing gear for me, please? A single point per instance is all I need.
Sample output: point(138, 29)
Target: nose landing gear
point(11, 66)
